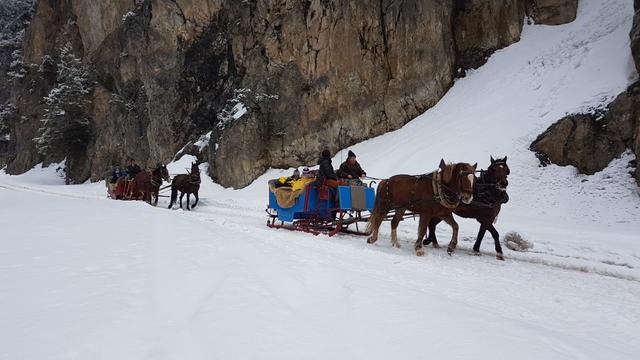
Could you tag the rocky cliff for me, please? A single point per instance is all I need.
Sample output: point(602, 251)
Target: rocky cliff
point(552, 12)
point(272, 81)
point(15, 16)
point(590, 141)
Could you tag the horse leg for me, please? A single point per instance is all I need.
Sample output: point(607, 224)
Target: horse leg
point(431, 238)
point(496, 240)
point(195, 194)
point(174, 195)
point(374, 224)
point(454, 236)
point(188, 201)
point(181, 195)
point(476, 245)
point(394, 227)
point(423, 225)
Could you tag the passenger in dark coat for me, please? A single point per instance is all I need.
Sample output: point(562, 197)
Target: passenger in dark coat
point(326, 175)
point(133, 169)
point(351, 169)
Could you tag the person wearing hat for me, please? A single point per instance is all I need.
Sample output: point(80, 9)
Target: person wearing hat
point(351, 170)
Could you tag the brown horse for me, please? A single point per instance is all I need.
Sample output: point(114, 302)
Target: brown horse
point(186, 184)
point(489, 195)
point(430, 195)
point(146, 185)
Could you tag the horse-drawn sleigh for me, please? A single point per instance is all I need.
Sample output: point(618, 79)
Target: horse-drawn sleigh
point(432, 197)
point(318, 209)
point(146, 186)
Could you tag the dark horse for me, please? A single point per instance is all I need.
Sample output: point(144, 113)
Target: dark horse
point(186, 184)
point(430, 196)
point(146, 185)
point(489, 195)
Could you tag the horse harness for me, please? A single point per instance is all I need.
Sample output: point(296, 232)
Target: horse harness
point(194, 179)
point(153, 180)
point(439, 194)
point(439, 191)
point(487, 188)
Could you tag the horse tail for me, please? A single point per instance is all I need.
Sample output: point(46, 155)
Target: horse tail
point(378, 212)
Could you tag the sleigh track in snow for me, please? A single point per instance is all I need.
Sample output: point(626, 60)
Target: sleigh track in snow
point(255, 218)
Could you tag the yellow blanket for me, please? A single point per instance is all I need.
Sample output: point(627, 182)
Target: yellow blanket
point(286, 196)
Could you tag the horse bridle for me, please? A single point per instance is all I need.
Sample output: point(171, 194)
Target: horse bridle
point(485, 174)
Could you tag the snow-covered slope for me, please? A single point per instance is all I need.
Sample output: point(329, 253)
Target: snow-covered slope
point(86, 277)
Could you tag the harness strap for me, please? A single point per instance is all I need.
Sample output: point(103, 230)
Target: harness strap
point(194, 179)
point(438, 192)
point(154, 182)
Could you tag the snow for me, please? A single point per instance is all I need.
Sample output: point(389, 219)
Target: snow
point(238, 110)
point(182, 165)
point(203, 141)
point(128, 15)
point(83, 277)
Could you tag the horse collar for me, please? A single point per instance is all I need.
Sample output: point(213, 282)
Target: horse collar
point(439, 194)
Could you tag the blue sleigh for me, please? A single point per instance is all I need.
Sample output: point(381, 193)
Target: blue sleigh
point(318, 210)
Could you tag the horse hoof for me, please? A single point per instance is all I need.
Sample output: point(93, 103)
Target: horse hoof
point(450, 251)
point(476, 253)
point(500, 257)
point(370, 241)
point(420, 252)
point(396, 245)
point(435, 245)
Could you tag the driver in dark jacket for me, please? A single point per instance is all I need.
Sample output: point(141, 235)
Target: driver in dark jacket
point(133, 169)
point(351, 169)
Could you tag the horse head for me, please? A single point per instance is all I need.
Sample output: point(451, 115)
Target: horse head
point(460, 178)
point(162, 172)
point(195, 170)
point(497, 173)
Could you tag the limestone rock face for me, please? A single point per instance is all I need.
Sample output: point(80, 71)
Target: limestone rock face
point(552, 12)
point(590, 141)
point(275, 81)
point(342, 72)
point(634, 36)
point(15, 16)
point(483, 26)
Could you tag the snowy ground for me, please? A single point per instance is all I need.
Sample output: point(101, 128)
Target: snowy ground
point(84, 277)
